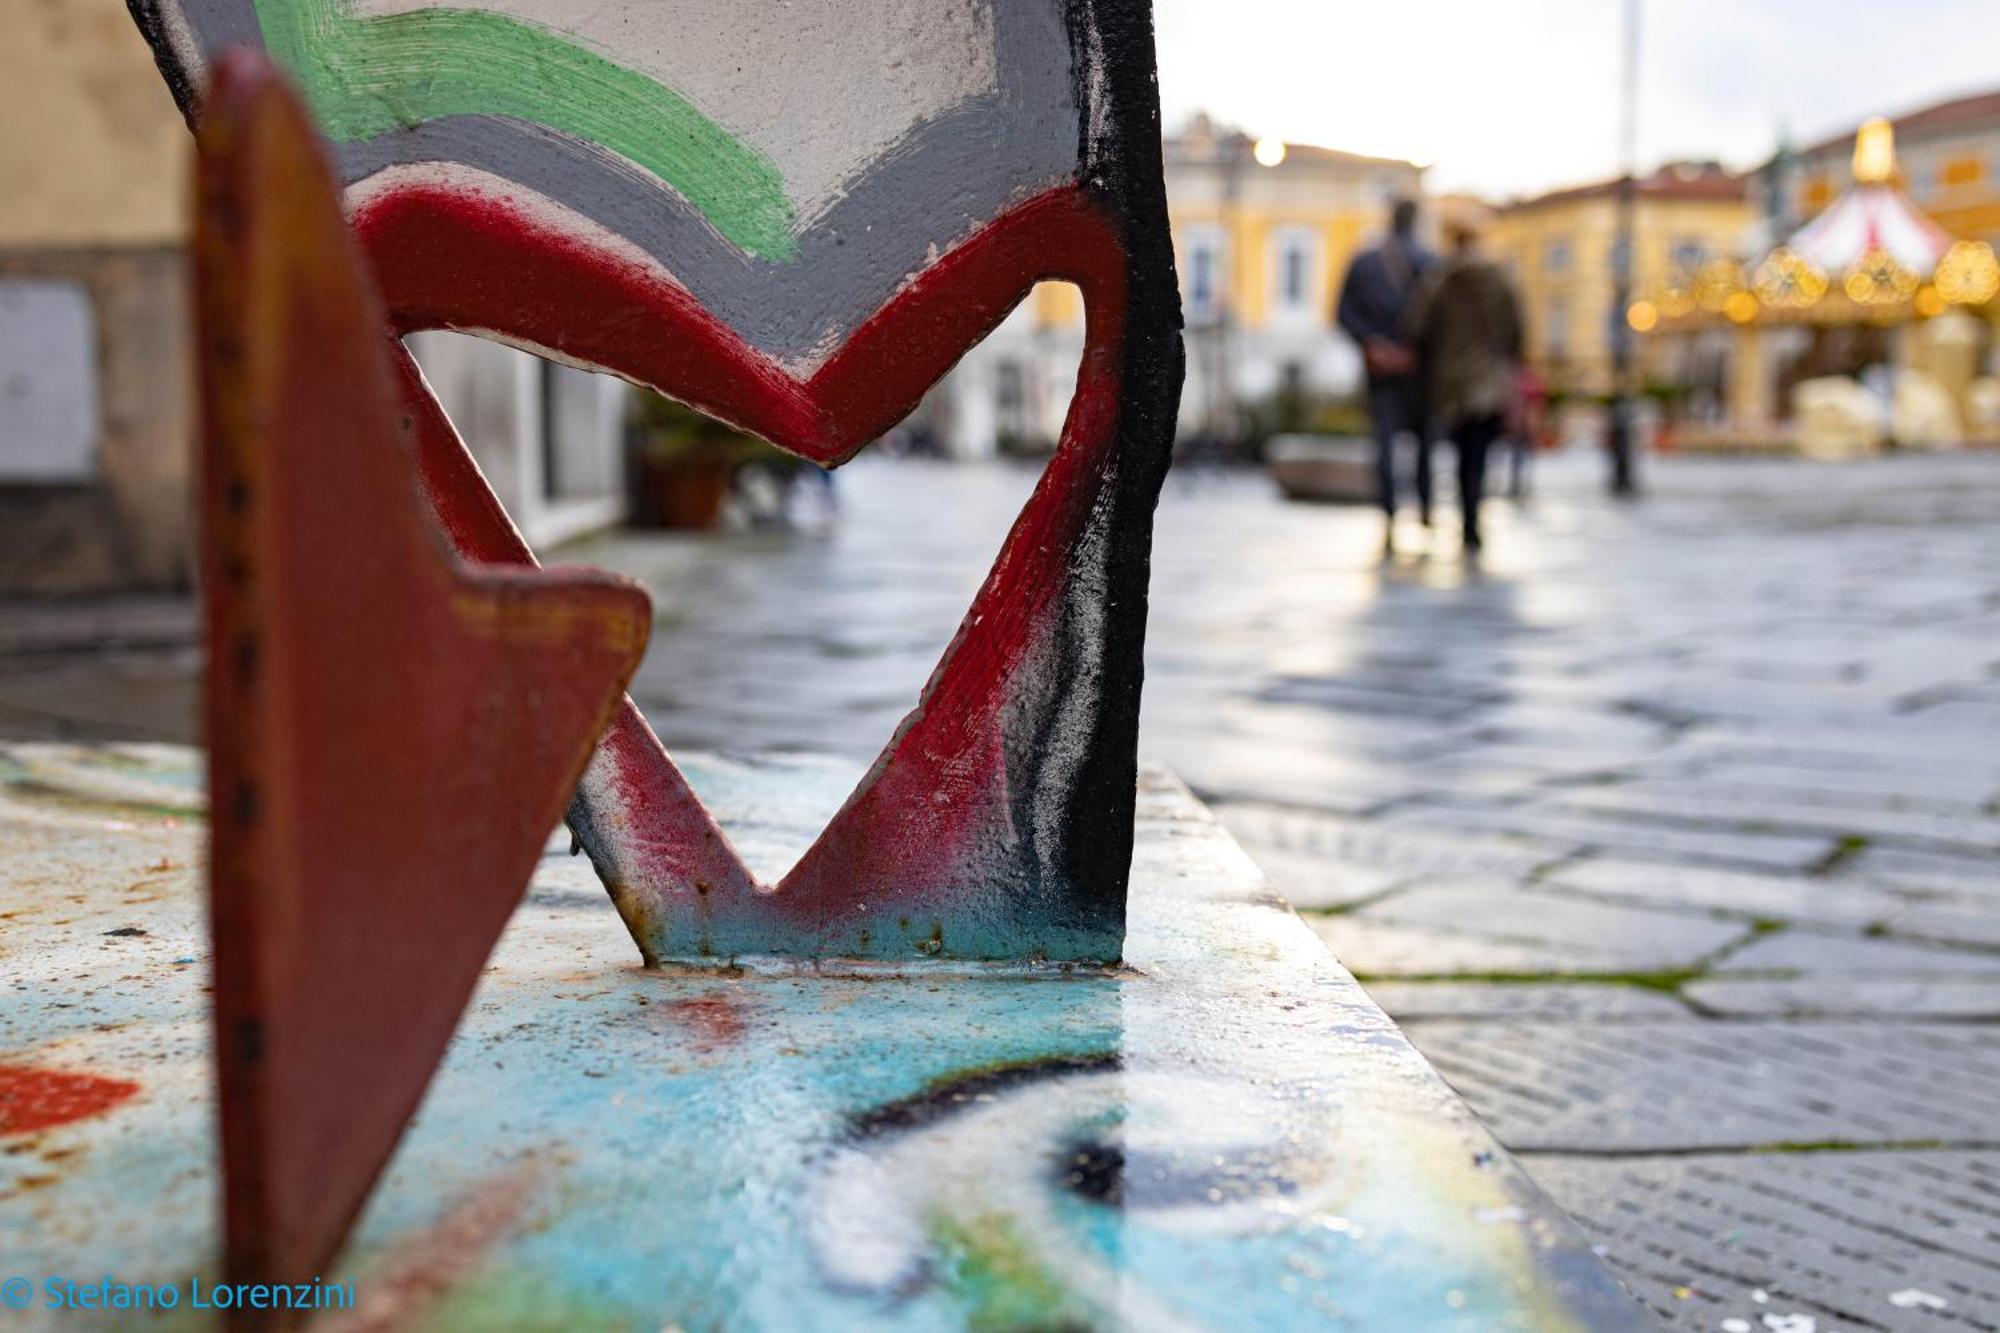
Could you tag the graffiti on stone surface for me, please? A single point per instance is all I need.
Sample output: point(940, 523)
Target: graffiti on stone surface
point(1225, 1134)
point(1009, 1171)
point(797, 218)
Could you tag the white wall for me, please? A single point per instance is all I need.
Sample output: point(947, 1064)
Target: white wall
point(557, 486)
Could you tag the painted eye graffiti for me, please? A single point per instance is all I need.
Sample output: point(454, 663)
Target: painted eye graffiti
point(798, 228)
point(1037, 1169)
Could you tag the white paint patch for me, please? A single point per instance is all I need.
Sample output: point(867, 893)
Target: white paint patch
point(821, 87)
point(1198, 1154)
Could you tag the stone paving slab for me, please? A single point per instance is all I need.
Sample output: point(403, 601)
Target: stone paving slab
point(1548, 758)
point(1971, 875)
point(1643, 940)
point(1840, 995)
point(1313, 882)
point(1318, 777)
point(1607, 832)
point(1844, 1237)
point(1655, 1086)
point(1810, 951)
point(1405, 1000)
point(1949, 923)
point(1374, 949)
point(1723, 807)
point(1379, 845)
point(1743, 893)
point(1836, 783)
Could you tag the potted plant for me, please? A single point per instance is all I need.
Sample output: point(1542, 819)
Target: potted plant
point(684, 462)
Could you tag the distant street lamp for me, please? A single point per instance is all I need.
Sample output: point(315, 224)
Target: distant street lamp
point(1618, 434)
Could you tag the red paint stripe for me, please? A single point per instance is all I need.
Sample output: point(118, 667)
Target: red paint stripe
point(452, 258)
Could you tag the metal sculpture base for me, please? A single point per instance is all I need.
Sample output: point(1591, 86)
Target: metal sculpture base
point(1226, 1133)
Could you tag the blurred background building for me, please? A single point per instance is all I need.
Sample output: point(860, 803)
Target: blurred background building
point(1558, 248)
point(96, 391)
point(1949, 155)
point(1263, 231)
point(96, 406)
point(1858, 308)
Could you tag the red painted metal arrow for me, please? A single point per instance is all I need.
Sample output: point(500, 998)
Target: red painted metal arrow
point(392, 735)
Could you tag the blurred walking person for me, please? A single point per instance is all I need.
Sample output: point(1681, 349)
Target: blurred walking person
point(1374, 310)
point(1466, 328)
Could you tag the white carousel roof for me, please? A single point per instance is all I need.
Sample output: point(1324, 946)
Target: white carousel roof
point(1871, 218)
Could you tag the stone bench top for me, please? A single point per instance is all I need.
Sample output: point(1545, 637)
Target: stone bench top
point(1225, 1133)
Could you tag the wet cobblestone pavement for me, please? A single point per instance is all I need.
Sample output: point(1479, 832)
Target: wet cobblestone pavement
point(1670, 834)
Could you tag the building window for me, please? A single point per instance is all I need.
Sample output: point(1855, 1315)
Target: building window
point(1556, 256)
point(1293, 254)
point(1204, 274)
point(1294, 283)
point(1201, 278)
point(1961, 171)
point(1010, 398)
point(1687, 254)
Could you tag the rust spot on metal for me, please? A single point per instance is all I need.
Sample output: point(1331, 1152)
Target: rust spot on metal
point(35, 1099)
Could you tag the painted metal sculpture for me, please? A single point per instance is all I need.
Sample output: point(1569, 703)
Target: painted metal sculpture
point(390, 735)
point(797, 218)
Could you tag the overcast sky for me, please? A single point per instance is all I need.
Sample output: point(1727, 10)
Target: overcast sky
point(1513, 96)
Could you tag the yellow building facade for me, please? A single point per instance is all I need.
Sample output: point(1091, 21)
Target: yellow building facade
point(1558, 248)
point(1262, 229)
point(1263, 234)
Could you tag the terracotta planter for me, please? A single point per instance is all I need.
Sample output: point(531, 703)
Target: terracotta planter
point(687, 492)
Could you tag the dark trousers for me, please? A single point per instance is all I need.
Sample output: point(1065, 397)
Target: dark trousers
point(1470, 439)
point(1396, 409)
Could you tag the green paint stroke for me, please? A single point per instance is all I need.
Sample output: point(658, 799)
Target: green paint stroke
point(1005, 1287)
point(370, 76)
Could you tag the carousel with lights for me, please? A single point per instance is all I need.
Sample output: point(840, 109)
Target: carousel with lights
point(1871, 281)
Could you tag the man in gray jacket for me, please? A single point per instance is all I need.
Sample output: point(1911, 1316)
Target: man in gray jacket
point(1374, 310)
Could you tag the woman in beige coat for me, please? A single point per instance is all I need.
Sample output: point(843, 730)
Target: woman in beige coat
point(1466, 327)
